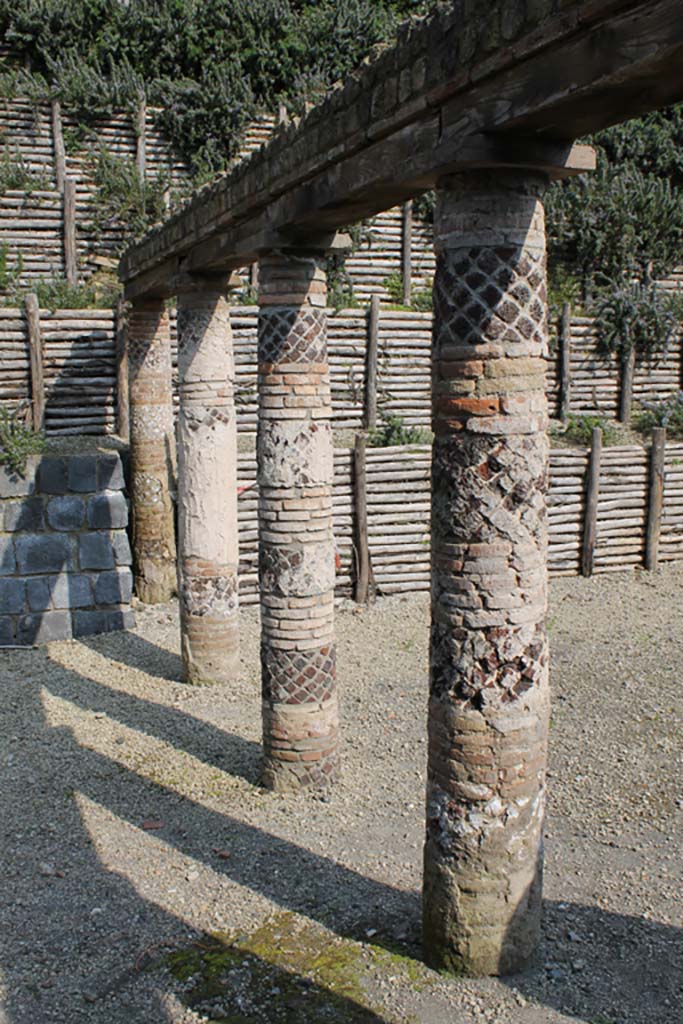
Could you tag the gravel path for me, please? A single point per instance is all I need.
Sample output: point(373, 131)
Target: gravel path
point(132, 823)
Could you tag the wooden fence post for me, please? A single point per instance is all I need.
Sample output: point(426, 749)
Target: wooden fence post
point(58, 145)
point(141, 139)
point(654, 518)
point(36, 359)
point(590, 525)
point(628, 368)
point(371, 365)
point(565, 340)
point(70, 252)
point(407, 252)
point(122, 386)
point(360, 504)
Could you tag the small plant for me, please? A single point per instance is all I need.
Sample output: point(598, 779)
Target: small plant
point(17, 441)
point(423, 300)
point(15, 174)
point(394, 286)
point(579, 430)
point(9, 277)
point(563, 287)
point(340, 294)
point(394, 432)
point(424, 206)
point(100, 292)
point(665, 413)
point(124, 198)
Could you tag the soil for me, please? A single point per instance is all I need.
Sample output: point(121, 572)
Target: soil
point(147, 878)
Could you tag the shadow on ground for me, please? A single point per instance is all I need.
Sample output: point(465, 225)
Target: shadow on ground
point(74, 934)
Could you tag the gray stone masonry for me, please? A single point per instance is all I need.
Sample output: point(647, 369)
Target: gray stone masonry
point(65, 558)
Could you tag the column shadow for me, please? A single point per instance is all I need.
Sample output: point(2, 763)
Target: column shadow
point(74, 934)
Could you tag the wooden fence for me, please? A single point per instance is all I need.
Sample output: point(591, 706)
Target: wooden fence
point(81, 364)
point(398, 508)
point(48, 228)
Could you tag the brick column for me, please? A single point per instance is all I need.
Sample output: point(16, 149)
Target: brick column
point(152, 447)
point(296, 547)
point(207, 487)
point(488, 707)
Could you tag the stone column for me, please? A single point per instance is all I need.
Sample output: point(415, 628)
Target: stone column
point(296, 547)
point(207, 487)
point(488, 705)
point(152, 447)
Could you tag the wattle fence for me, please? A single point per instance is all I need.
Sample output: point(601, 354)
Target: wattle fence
point(79, 354)
point(398, 503)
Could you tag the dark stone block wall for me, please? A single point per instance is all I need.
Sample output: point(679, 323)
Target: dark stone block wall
point(65, 560)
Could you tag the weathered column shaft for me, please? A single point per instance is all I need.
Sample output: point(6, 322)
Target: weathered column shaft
point(296, 546)
point(488, 711)
point(152, 446)
point(207, 488)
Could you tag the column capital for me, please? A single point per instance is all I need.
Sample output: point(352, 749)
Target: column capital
point(220, 282)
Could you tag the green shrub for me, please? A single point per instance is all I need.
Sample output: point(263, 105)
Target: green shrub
point(420, 300)
point(100, 292)
point(664, 413)
point(579, 430)
point(9, 277)
point(394, 286)
point(634, 315)
point(15, 174)
point(394, 432)
point(17, 441)
point(123, 197)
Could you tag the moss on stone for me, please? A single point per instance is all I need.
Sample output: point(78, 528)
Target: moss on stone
point(289, 970)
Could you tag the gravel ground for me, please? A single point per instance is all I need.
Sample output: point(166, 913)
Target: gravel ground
point(132, 824)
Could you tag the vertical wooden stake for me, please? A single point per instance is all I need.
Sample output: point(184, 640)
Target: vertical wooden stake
point(565, 362)
point(628, 367)
point(35, 348)
point(371, 365)
point(360, 495)
point(590, 525)
point(141, 139)
point(654, 518)
point(58, 145)
point(122, 386)
point(407, 252)
point(253, 276)
point(70, 255)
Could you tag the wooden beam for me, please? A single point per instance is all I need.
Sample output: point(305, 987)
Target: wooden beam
point(388, 173)
point(36, 361)
point(592, 65)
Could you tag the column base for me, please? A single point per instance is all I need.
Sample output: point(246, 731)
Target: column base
point(210, 650)
point(156, 583)
point(301, 748)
